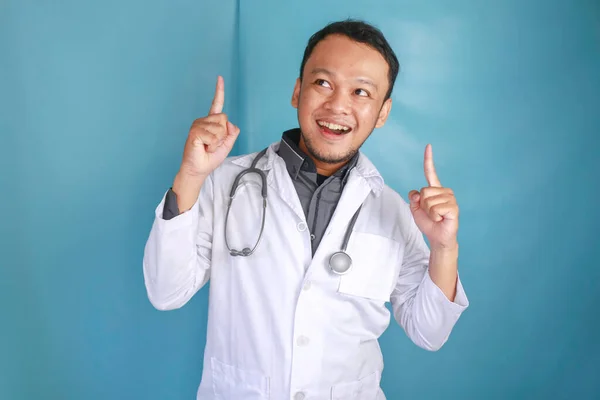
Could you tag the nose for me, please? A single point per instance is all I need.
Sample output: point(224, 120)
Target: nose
point(338, 102)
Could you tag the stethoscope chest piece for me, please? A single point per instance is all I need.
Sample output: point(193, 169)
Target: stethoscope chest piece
point(340, 262)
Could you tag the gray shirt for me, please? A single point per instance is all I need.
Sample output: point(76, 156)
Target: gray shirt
point(318, 194)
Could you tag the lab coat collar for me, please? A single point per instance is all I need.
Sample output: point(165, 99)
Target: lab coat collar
point(364, 167)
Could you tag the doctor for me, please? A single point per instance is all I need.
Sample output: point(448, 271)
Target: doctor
point(304, 251)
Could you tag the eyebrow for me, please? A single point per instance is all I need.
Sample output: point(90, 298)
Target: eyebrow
point(364, 81)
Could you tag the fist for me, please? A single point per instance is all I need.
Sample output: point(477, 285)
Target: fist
point(210, 139)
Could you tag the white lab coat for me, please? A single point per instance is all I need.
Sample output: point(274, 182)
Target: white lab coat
point(280, 324)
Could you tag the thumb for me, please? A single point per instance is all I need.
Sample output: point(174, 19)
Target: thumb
point(232, 134)
point(414, 197)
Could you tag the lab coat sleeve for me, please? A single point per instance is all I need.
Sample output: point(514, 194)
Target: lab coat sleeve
point(177, 255)
point(419, 305)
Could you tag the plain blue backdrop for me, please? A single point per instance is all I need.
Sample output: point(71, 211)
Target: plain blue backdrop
point(96, 99)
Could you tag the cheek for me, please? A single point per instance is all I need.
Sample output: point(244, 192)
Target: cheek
point(307, 105)
point(366, 115)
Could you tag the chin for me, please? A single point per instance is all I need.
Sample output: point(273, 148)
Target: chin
point(330, 154)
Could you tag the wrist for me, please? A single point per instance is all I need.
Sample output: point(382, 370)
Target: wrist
point(445, 249)
point(185, 179)
point(187, 188)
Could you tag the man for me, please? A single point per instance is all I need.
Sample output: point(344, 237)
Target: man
point(300, 277)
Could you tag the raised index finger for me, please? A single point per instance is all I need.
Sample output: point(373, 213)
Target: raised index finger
point(430, 174)
point(217, 103)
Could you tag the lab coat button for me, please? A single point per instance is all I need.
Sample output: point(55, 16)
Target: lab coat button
point(302, 341)
point(306, 286)
point(301, 226)
point(299, 396)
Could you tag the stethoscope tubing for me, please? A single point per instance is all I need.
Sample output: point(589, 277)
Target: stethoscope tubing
point(340, 262)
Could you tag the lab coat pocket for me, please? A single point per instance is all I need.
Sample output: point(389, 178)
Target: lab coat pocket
point(375, 261)
point(366, 388)
point(232, 383)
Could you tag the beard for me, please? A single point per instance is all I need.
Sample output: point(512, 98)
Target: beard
point(331, 157)
point(327, 157)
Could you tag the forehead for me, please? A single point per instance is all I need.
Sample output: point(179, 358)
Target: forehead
point(348, 59)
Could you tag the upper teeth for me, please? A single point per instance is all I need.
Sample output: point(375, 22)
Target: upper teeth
point(333, 126)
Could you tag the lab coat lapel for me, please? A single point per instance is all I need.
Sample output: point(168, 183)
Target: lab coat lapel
point(363, 180)
point(354, 194)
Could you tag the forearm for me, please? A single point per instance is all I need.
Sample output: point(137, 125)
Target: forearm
point(429, 297)
point(177, 256)
point(443, 269)
point(173, 268)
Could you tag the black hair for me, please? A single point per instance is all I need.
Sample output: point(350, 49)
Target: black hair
point(361, 32)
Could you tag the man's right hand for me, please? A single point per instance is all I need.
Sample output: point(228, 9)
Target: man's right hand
point(208, 144)
point(210, 138)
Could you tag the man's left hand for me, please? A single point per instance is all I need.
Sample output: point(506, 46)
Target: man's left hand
point(434, 209)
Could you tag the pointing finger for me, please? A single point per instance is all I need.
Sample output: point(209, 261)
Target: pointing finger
point(217, 104)
point(430, 174)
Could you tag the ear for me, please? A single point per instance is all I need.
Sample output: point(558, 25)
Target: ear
point(296, 94)
point(384, 112)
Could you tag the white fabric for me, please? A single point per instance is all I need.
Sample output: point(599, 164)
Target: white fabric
point(281, 325)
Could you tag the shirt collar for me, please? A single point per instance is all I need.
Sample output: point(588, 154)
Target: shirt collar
point(296, 160)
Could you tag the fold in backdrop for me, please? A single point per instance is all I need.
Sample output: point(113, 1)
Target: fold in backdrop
point(96, 100)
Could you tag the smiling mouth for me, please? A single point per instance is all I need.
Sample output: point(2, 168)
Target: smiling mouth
point(334, 128)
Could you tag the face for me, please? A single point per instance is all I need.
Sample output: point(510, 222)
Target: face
point(340, 99)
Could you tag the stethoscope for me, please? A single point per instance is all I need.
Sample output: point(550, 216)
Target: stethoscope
point(340, 262)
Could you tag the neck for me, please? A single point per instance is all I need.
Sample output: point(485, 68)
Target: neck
point(323, 168)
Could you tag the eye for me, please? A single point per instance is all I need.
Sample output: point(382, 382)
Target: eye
point(361, 92)
point(322, 82)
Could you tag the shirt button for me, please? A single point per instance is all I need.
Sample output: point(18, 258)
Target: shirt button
point(299, 396)
point(306, 286)
point(301, 226)
point(302, 341)
point(312, 236)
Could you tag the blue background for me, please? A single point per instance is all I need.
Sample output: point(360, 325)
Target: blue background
point(96, 100)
